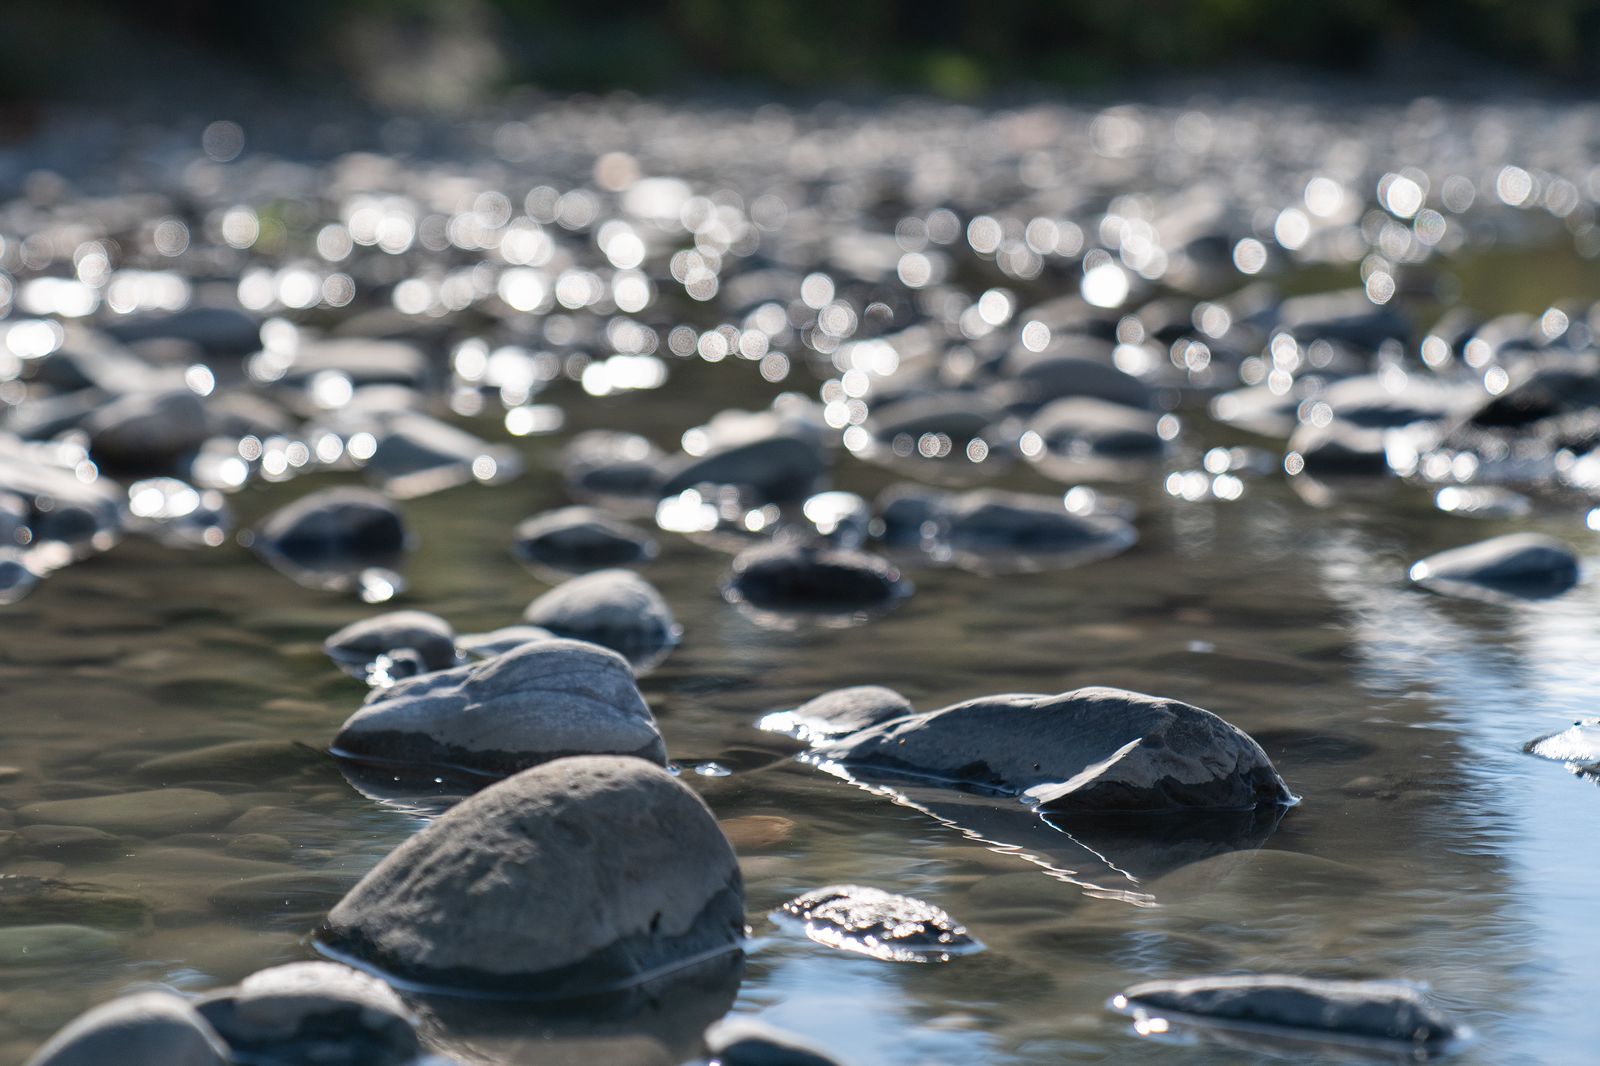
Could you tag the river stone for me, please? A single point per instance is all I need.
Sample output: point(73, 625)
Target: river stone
point(417, 455)
point(1338, 449)
point(1088, 751)
point(908, 513)
point(335, 528)
point(155, 813)
point(603, 462)
point(804, 577)
point(313, 1012)
point(581, 538)
point(1373, 1010)
point(16, 579)
point(499, 641)
point(145, 432)
point(870, 921)
point(778, 468)
point(749, 1042)
point(147, 1029)
point(837, 713)
point(28, 900)
point(300, 893)
point(580, 876)
point(1085, 427)
point(614, 608)
point(1527, 565)
point(214, 330)
point(358, 645)
point(1579, 743)
point(987, 520)
point(535, 703)
point(63, 840)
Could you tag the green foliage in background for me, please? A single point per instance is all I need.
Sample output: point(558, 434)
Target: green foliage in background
point(950, 47)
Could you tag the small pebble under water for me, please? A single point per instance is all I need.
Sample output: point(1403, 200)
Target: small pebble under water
point(747, 251)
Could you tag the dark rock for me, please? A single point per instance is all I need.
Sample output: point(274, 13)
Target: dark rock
point(327, 536)
point(801, 577)
point(214, 330)
point(1084, 427)
point(617, 609)
point(582, 876)
point(776, 468)
point(748, 1042)
point(581, 538)
point(870, 921)
point(1038, 378)
point(1089, 751)
point(417, 455)
point(840, 712)
point(537, 702)
point(607, 463)
point(1337, 449)
point(147, 432)
point(1346, 315)
point(909, 513)
point(993, 521)
point(355, 647)
point(1370, 1010)
point(16, 579)
point(959, 415)
point(147, 1029)
point(1518, 565)
point(313, 1012)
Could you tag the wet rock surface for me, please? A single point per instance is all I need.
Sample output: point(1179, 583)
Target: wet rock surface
point(328, 536)
point(806, 578)
point(1369, 1010)
point(566, 833)
point(870, 921)
point(617, 609)
point(534, 703)
point(147, 1029)
point(313, 1012)
point(581, 538)
point(358, 645)
point(1089, 751)
point(1518, 565)
point(839, 713)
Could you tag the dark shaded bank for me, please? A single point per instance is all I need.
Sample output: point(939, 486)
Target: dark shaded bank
point(443, 52)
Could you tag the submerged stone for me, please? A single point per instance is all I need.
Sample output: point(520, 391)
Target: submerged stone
point(355, 647)
point(1517, 565)
point(28, 900)
point(1368, 1010)
point(582, 876)
point(536, 702)
point(313, 1012)
point(499, 641)
point(616, 609)
point(609, 463)
point(1088, 751)
point(147, 1029)
point(777, 468)
point(870, 921)
point(157, 812)
point(802, 577)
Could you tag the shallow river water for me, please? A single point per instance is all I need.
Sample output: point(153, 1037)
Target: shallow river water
point(1427, 847)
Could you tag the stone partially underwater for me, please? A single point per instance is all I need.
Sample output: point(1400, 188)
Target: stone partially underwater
point(1092, 751)
point(585, 876)
point(537, 702)
point(1362, 1012)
